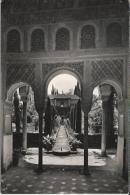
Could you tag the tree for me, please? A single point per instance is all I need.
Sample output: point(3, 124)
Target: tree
point(48, 118)
point(75, 90)
point(53, 90)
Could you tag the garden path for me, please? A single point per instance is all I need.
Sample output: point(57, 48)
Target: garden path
point(62, 145)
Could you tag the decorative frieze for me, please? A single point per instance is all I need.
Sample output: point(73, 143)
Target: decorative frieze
point(64, 15)
point(72, 66)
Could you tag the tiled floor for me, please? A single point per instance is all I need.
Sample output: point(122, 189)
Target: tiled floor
point(61, 179)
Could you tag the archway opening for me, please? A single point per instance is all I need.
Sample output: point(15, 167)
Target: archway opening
point(104, 123)
point(63, 111)
point(63, 84)
point(24, 117)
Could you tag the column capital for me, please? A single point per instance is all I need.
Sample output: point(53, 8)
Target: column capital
point(24, 93)
point(105, 91)
point(39, 103)
point(121, 106)
point(86, 108)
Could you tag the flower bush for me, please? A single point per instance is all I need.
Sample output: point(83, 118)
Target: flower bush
point(74, 143)
point(48, 142)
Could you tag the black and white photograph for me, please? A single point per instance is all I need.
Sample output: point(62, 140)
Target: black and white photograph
point(65, 96)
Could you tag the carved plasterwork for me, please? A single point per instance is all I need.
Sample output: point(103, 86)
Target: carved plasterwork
point(105, 91)
point(65, 15)
point(76, 67)
point(20, 73)
point(107, 69)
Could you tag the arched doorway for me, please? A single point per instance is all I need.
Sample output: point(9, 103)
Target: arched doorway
point(64, 95)
point(19, 109)
point(110, 111)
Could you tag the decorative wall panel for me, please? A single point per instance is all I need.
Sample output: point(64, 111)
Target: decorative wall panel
point(20, 73)
point(63, 15)
point(72, 66)
point(107, 69)
point(114, 35)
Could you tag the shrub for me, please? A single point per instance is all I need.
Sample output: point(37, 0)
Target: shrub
point(74, 143)
point(48, 142)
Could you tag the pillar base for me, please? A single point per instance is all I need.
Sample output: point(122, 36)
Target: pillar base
point(86, 172)
point(24, 152)
point(39, 169)
point(103, 154)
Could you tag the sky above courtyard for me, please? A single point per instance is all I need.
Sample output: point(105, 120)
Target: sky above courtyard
point(65, 83)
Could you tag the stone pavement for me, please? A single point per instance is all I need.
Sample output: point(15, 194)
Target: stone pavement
point(61, 179)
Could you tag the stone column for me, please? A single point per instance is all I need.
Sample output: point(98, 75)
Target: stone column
point(24, 96)
point(24, 142)
point(105, 94)
point(40, 113)
point(1, 112)
point(86, 170)
point(40, 107)
point(121, 139)
point(78, 118)
point(128, 111)
point(110, 133)
point(104, 127)
point(87, 95)
point(7, 135)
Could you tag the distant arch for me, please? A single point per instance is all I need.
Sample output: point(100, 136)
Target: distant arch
point(62, 70)
point(12, 89)
point(114, 84)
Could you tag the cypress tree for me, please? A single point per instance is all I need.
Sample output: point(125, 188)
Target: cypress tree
point(78, 90)
point(53, 90)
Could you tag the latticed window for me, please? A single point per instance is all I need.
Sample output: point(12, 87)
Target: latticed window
point(13, 41)
point(37, 40)
point(62, 39)
point(87, 37)
point(114, 35)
